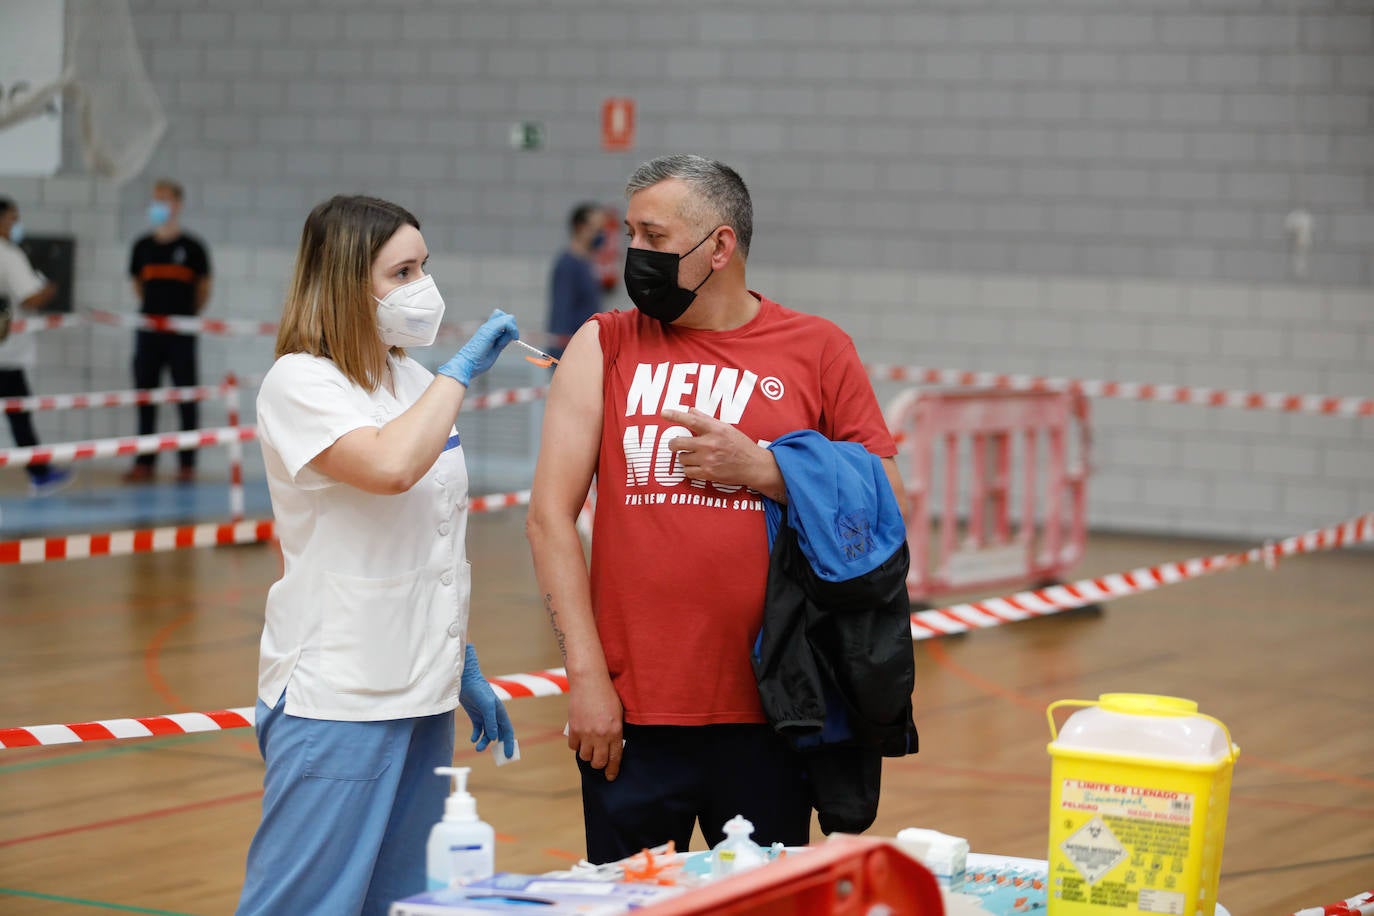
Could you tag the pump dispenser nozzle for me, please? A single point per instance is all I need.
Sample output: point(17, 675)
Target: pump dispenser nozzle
point(460, 805)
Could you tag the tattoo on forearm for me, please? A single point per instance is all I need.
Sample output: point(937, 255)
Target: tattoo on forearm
point(557, 630)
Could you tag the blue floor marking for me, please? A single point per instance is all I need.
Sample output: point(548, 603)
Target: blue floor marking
point(82, 510)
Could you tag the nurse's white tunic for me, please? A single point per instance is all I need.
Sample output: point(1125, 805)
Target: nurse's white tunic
point(369, 618)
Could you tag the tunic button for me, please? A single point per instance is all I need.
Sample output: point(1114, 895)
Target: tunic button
point(454, 631)
point(446, 578)
point(444, 528)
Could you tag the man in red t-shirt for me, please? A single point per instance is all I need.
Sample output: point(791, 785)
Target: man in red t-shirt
point(671, 406)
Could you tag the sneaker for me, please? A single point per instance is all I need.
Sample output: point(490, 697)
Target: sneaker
point(186, 475)
point(139, 473)
point(48, 482)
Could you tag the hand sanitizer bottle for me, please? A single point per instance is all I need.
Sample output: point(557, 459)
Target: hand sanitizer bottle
point(461, 848)
point(737, 852)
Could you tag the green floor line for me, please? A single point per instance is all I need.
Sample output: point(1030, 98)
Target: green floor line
point(98, 904)
point(143, 744)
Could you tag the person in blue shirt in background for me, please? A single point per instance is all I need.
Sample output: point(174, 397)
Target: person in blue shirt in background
point(575, 290)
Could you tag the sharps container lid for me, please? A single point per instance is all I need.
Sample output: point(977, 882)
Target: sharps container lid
point(1146, 725)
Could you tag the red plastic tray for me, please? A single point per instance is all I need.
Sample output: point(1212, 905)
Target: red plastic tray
point(846, 876)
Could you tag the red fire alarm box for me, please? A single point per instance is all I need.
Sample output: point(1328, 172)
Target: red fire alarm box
point(618, 124)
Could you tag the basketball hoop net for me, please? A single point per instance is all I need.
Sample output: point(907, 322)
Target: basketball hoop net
point(118, 113)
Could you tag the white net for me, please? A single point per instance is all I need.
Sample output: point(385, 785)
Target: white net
point(111, 103)
point(119, 114)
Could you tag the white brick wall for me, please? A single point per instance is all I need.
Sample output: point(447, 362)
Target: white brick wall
point(1059, 188)
point(1159, 467)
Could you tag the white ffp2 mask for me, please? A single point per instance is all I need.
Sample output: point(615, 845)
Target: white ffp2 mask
point(409, 315)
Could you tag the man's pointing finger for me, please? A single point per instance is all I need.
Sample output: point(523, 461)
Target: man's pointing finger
point(693, 419)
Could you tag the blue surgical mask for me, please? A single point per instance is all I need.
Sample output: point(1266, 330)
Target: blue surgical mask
point(159, 212)
point(17, 232)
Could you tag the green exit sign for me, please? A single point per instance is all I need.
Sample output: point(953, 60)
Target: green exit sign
point(527, 135)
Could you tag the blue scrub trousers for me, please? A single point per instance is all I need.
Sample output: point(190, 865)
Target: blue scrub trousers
point(346, 813)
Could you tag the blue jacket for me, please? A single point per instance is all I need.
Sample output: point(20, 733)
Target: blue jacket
point(839, 502)
point(834, 661)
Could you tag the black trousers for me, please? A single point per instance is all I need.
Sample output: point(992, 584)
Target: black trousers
point(153, 352)
point(13, 384)
point(672, 777)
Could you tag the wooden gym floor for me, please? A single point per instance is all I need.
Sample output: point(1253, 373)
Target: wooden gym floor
point(161, 825)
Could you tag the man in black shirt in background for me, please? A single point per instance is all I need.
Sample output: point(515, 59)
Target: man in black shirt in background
point(170, 270)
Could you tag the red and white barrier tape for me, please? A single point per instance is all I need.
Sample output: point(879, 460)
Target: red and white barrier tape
point(64, 452)
point(462, 330)
point(554, 681)
point(1135, 391)
point(1325, 405)
point(494, 501)
point(504, 396)
point(145, 540)
point(185, 324)
point(994, 612)
point(182, 723)
point(138, 396)
point(219, 327)
point(550, 682)
point(547, 683)
point(1359, 905)
point(112, 398)
point(45, 323)
point(181, 537)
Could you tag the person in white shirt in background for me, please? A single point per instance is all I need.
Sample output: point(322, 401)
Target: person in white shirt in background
point(365, 655)
point(22, 289)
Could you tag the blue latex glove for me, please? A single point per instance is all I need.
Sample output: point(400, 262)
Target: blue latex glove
point(489, 719)
point(479, 354)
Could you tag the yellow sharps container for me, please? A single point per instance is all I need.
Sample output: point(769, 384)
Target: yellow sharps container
point(1139, 790)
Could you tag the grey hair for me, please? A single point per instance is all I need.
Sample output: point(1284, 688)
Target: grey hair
point(719, 194)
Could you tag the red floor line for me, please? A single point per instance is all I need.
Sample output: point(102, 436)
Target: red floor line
point(915, 764)
point(195, 806)
point(151, 653)
point(1365, 813)
point(1308, 772)
point(133, 818)
point(941, 658)
point(49, 614)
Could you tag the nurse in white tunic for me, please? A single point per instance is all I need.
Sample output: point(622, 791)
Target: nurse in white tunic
point(364, 654)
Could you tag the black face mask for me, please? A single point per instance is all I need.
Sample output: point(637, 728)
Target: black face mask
point(651, 282)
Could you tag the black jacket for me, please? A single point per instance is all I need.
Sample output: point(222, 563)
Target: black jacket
point(836, 671)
